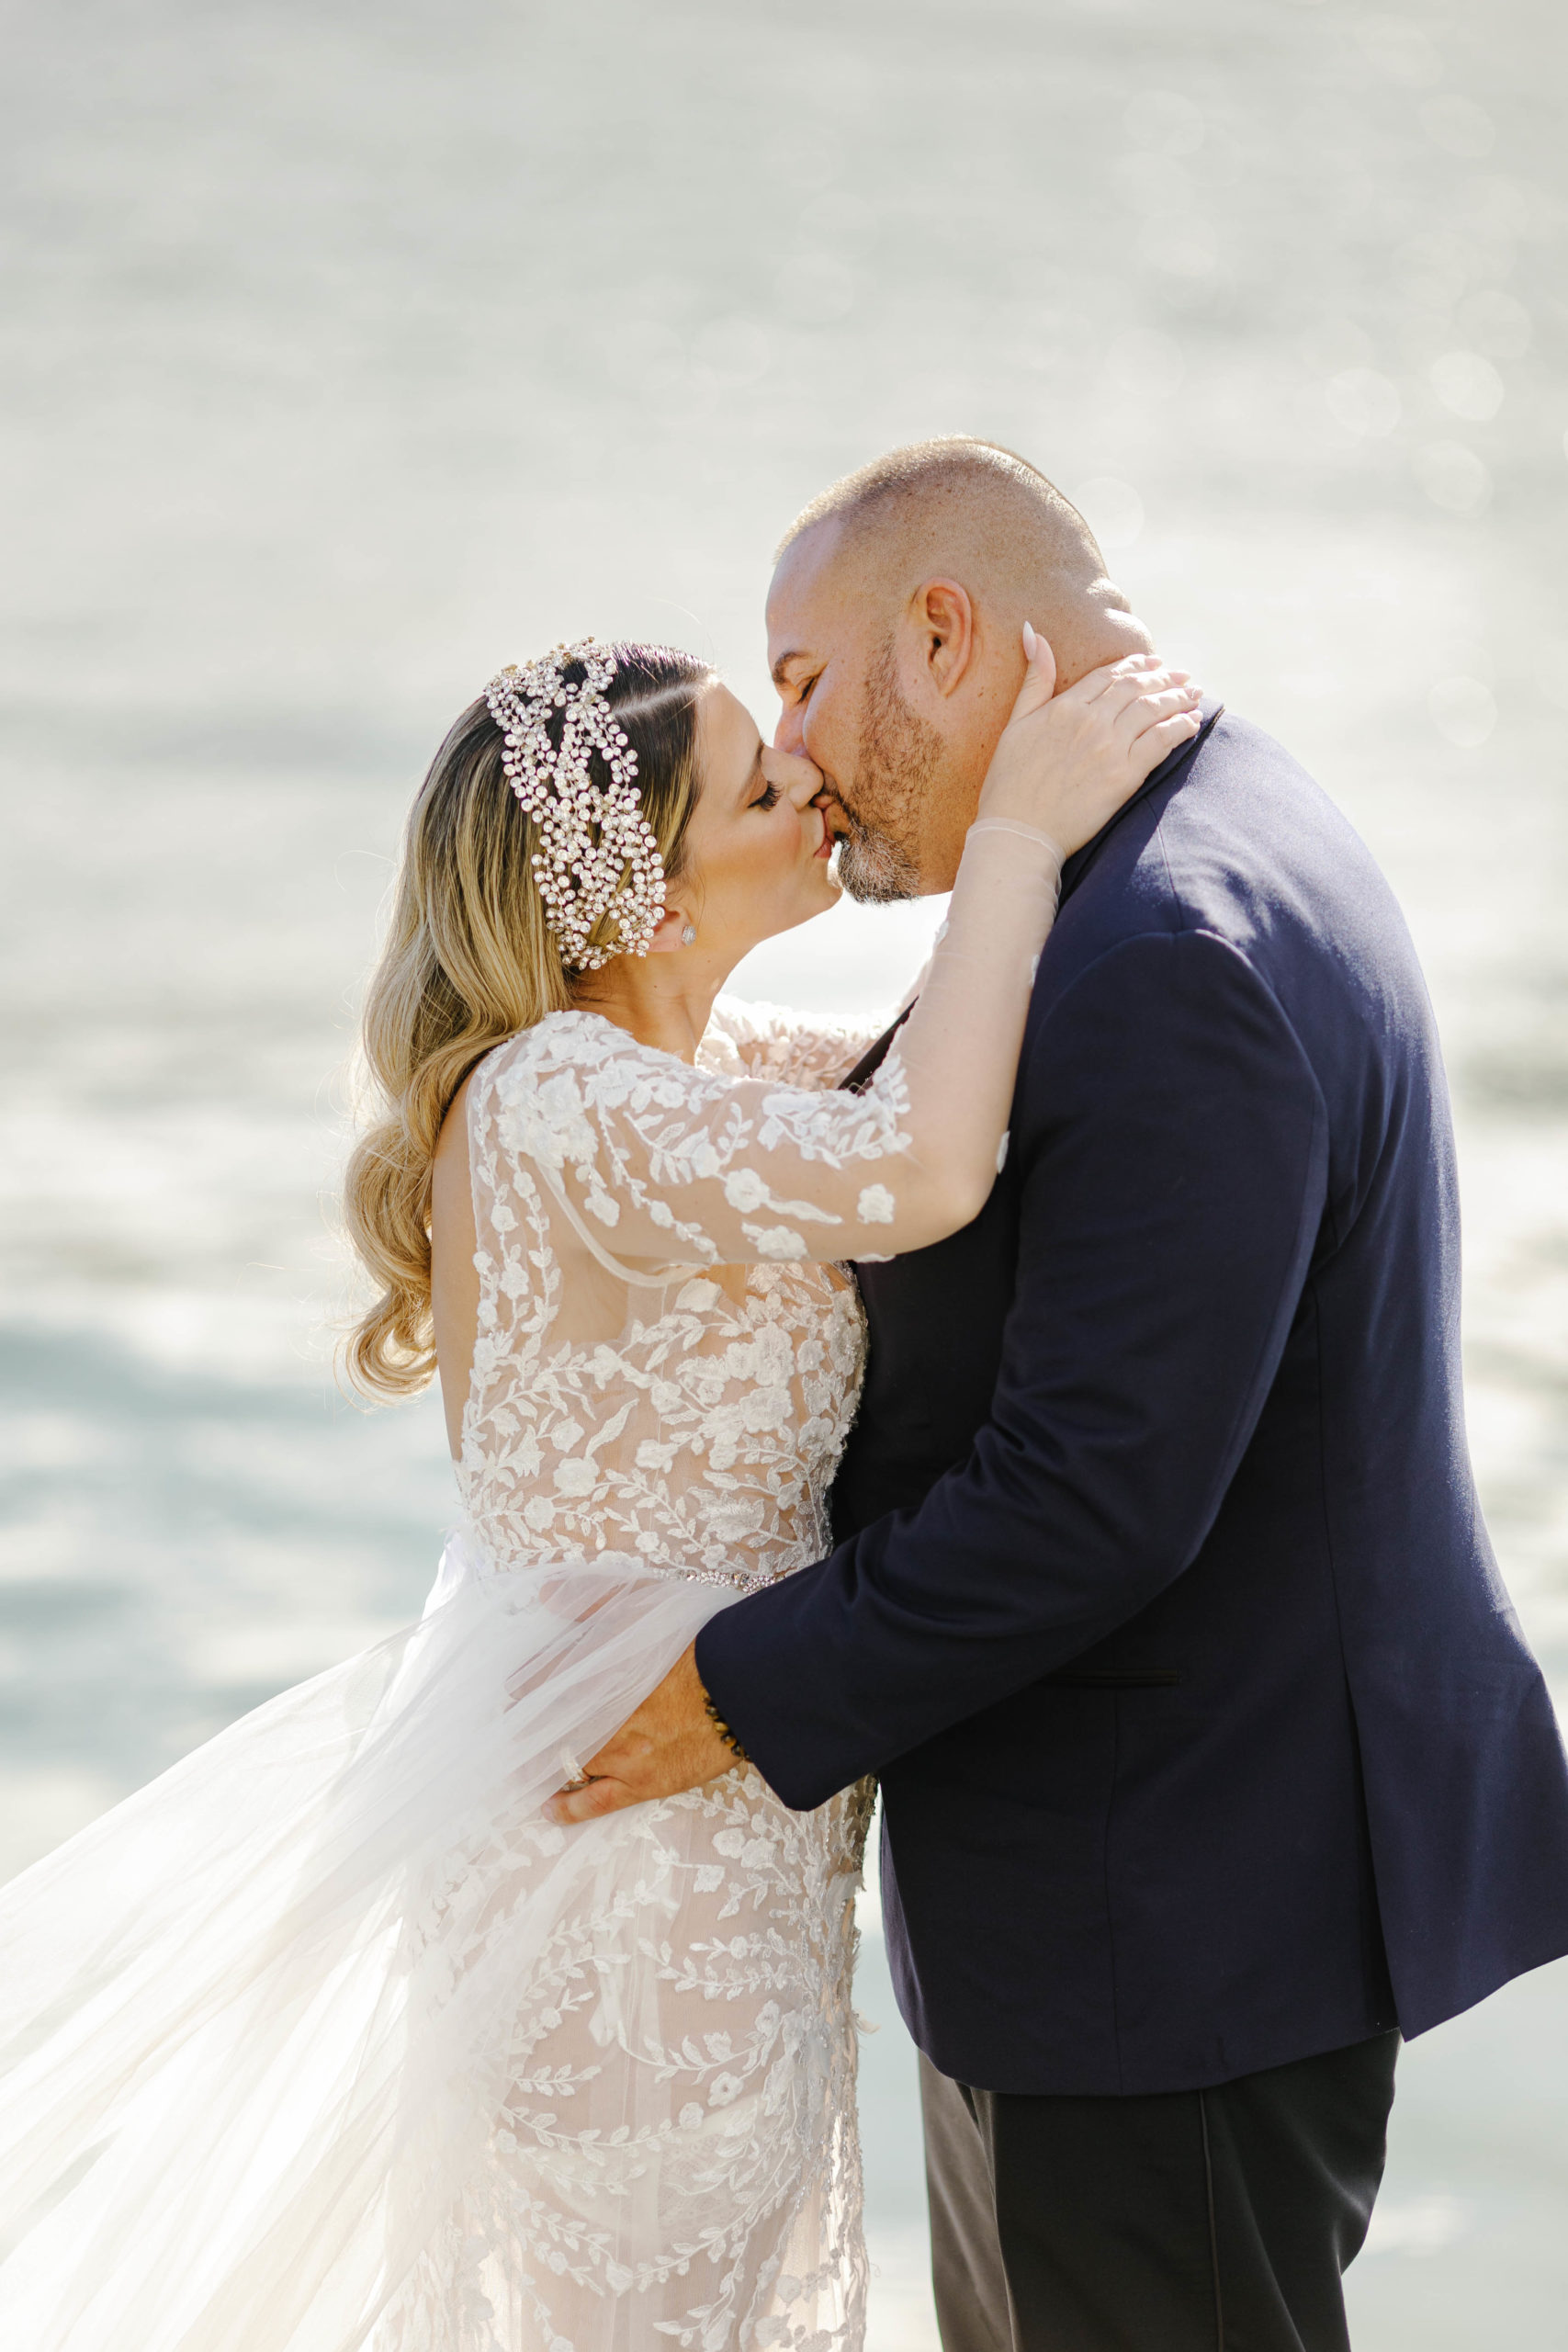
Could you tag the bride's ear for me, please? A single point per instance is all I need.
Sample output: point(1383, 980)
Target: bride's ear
point(670, 933)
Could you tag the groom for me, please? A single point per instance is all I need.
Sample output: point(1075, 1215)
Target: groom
point(1213, 1760)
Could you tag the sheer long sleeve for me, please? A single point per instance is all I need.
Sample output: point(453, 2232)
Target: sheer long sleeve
point(657, 1163)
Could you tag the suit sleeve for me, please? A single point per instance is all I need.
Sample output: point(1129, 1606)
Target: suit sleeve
point(1175, 1150)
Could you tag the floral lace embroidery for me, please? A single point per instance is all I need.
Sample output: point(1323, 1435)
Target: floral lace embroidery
point(685, 2046)
point(629, 1137)
point(702, 1430)
point(769, 1041)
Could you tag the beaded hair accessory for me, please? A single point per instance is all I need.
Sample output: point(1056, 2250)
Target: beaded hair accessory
point(597, 851)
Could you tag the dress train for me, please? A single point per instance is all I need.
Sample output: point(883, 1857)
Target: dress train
point(259, 2016)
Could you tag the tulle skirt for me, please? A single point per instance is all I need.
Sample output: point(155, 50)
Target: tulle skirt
point(326, 2039)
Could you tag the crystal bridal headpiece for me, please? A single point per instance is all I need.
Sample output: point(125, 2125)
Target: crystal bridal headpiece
point(597, 851)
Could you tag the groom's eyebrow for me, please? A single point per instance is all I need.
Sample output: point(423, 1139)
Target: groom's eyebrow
point(781, 664)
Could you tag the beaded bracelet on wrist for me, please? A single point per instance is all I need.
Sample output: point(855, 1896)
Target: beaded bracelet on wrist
point(724, 1731)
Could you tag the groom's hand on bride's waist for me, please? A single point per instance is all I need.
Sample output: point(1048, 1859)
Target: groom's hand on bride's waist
point(671, 1743)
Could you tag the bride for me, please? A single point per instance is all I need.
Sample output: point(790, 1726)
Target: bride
point(330, 2037)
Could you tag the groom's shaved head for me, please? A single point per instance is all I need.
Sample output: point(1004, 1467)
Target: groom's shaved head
point(919, 480)
point(960, 504)
point(974, 511)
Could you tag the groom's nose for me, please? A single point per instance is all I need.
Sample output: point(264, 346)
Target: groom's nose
point(797, 778)
point(789, 735)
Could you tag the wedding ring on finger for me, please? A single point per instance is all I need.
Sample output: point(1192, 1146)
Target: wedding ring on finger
point(574, 1775)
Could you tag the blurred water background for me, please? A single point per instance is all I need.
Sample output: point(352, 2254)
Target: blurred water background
point(352, 350)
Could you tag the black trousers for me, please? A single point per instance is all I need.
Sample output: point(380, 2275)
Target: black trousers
point(1211, 2221)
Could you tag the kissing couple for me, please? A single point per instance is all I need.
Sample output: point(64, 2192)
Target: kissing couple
point(491, 1992)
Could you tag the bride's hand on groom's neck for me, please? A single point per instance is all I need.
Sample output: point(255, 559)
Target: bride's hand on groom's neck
point(1067, 761)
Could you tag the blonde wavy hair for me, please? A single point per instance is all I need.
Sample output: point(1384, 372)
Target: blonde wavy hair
point(467, 962)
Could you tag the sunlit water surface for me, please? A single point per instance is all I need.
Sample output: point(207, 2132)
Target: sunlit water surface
point(353, 352)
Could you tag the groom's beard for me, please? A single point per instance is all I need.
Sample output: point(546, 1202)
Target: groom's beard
point(896, 759)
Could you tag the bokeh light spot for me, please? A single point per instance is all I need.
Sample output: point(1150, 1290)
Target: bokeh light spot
point(1468, 385)
point(1462, 711)
point(1363, 401)
point(1496, 324)
point(1452, 477)
point(1185, 254)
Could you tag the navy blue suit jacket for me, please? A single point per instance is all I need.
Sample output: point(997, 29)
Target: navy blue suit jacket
point(1162, 1605)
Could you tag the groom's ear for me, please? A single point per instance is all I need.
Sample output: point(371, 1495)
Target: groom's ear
point(945, 619)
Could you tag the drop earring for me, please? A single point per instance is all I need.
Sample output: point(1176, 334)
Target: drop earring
point(689, 937)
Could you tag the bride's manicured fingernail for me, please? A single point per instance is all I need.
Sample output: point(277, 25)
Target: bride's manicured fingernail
point(1031, 643)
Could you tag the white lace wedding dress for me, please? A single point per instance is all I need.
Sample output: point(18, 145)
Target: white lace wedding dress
point(327, 2040)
